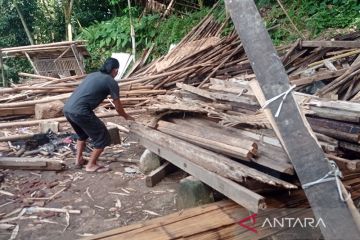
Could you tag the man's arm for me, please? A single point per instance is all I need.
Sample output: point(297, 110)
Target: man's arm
point(119, 108)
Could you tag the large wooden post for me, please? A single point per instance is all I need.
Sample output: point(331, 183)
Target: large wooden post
point(340, 217)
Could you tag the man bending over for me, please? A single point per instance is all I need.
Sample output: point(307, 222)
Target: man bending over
point(78, 110)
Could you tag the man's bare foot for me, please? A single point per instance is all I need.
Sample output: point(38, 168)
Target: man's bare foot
point(79, 163)
point(96, 169)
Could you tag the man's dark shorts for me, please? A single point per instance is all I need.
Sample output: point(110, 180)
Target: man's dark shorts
point(91, 126)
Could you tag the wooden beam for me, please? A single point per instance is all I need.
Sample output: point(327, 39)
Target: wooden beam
point(30, 163)
point(32, 63)
point(154, 141)
point(17, 111)
point(218, 96)
point(227, 145)
point(304, 152)
point(77, 58)
point(317, 77)
point(331, 44)
point(158, 174)
point(62, 54)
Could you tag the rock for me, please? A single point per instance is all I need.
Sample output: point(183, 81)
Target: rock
point(49, 110)
point(192, 192)
point(149, 161)
point(46, 126)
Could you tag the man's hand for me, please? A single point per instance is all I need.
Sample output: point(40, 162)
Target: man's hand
point(119, 108)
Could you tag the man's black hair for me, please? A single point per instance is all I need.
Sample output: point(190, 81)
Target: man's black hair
point(109, 65)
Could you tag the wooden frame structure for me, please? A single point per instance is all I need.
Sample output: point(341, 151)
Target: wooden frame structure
point(52, 60)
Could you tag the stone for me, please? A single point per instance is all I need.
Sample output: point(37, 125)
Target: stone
point(192, 192)
point(49, 110)
point(114, 135)
point(149, 161)
point(46, 126)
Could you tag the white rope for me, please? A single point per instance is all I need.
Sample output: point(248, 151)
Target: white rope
point(284, 95)
point(333, 174)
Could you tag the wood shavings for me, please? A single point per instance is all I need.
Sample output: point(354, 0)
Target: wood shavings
point(124, 190)
point(6, 193)
point(14, 233)
point(89, 195)
point(151, 212)
point(118, 203)
point(121, 194)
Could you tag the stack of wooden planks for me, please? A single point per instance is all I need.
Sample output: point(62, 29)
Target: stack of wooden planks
point(222, 220)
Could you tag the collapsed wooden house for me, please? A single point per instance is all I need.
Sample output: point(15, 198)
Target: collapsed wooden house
point(54, 59)
point(208, 118)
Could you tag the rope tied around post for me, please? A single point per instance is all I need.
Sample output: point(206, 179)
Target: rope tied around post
point(283, 95)
point(333, 174)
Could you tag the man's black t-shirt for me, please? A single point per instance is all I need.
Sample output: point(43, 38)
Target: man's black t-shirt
point(91, 92)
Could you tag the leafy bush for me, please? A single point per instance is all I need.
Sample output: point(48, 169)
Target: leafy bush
point(311, 17)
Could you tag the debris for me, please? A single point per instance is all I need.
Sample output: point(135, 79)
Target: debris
point(151, 212)
point(58, 210)
point(14, 233)
point(118, 203)
point(6, 193)
point(89, 195)
point(121, 194)
point(130, 170)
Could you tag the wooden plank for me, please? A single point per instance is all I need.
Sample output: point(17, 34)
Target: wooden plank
point(227, 145)
point(304, 152)
point(17, 111)
point(158, 174)
point(220, 96)
point(30, 163)
point(267, 154)
point(317, 77)
point(331, 44)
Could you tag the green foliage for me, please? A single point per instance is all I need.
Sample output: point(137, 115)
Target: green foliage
point(114, 35)
point(311, 17)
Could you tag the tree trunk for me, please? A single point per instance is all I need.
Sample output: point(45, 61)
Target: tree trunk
point(28, 34)
point(68, 5)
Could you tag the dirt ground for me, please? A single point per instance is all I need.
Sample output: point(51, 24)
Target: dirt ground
point(106, 200)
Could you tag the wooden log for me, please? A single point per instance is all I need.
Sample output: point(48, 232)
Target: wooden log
point(30, 164)
point(290, 126)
